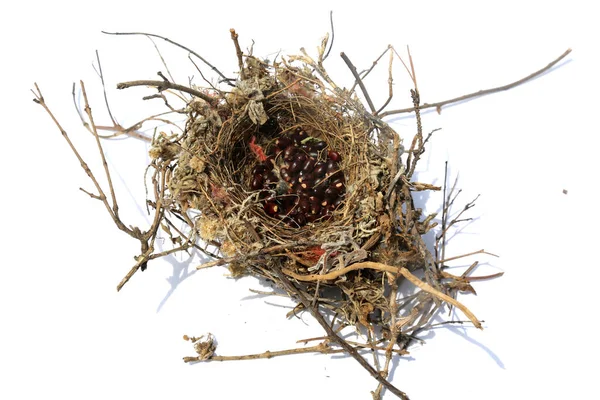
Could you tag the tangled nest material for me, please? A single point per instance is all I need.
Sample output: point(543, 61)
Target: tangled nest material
point(344, 266)
point(349, 264)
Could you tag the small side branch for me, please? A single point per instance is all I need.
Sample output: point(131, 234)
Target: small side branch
point(485, 92)
point(164, 85)
point(387, 268)
point(333, 336)
point(320, 348)
point(238, 52)
point(225, 79)
point(358, 79)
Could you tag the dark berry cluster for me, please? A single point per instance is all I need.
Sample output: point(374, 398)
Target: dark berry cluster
point(300, 181)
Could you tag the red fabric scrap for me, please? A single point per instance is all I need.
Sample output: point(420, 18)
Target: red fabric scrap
point(257, 150)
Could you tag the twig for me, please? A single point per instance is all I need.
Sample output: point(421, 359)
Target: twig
point(238, 52)
point(387, 268)
point(320, 348)
point(479, 93)
point(146, 238)
point(442, 236)
point(332, 335)
point(142, 260)
point(482, 251)
point(104, 91)
point(266, 250)
point(332, 36)
point(162, 85)
point(359, 81)
point(101, 195)
point(390, 85)
point(161, 57)
point(225, 79)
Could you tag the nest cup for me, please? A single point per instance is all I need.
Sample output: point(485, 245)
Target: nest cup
point(229, 133)
point(214, 173)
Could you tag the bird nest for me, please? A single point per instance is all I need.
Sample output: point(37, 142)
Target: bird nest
point(301, 182)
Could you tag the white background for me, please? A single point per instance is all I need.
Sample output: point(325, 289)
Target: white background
point(66, 333)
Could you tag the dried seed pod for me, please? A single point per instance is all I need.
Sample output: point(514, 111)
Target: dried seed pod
point(306, 147)
point(301, 190)
point(320, 170)
point(334, 156)
point(307, 178)
point(319, 145)
point(289, 153)
point(309, 164)
point(293, 182)
point(300, 219)
point(271, 208)
point(259, 169)
point(332, 167)
point(283, 142)
point(301, 157)
point(303, 203)
point(257, 182)
point(295, 166)
point(285, 175)
point(315, 209)
point(338, 184)
point(331, 193)
point(299, 136)
point(319, 191)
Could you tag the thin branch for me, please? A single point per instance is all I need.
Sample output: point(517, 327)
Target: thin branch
point(332, 335)
point(238, 52)
point(162, 85)
point(359, 81)
point(390, 85)
point(332, 36)
point(482, 251)
point(479, 93)
point(142, 260)
point(104, 90)
point(320, 348)
point(225, 79)
point(88, 110)
point(161, 58)
point(264, 251)
point(386, 268)
point(365, 73)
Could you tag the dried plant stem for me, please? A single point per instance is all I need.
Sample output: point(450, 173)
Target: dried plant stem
point(332, 335)
point(266, 250)
point(320, 348)
point(225, 79)
point(146, 238)
point(482, 251)
point(471, 278)
point(164, 85)
point(361, 84)
point(238, 52)
point(387, 268)
point(479, 93)
point(100, 196)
